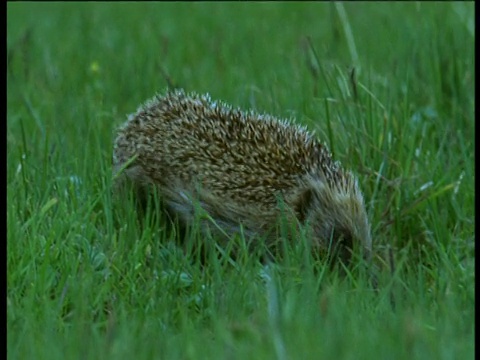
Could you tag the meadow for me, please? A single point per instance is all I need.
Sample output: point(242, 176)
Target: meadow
point(389, 87)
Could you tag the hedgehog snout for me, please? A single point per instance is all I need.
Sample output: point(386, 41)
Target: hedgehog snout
point(336, 231)
point(340, 244)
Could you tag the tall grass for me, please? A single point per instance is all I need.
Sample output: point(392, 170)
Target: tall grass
point(388, 86)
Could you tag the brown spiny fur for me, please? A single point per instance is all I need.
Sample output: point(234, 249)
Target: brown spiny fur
point(238, 166)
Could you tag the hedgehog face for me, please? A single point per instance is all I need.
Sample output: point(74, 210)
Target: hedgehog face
point(337, 218)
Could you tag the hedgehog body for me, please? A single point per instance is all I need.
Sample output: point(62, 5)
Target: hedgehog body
point(243, 168)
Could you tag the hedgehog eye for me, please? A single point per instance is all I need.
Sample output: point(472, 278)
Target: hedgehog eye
point(341, 238)
point(302, 204)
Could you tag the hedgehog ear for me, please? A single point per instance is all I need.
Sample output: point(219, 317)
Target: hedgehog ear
point(302, 203)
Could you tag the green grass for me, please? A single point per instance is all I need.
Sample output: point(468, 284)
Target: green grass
point(87, 280)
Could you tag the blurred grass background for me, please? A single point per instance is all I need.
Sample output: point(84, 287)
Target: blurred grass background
point(388, 86)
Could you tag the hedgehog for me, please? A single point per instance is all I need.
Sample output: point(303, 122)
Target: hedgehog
point(246, 170)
